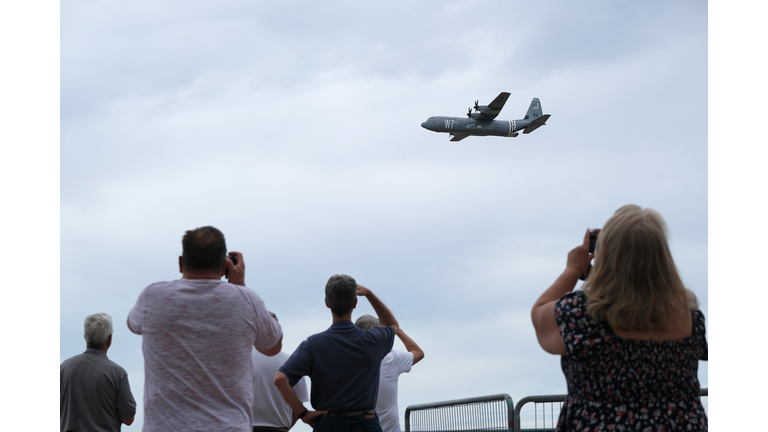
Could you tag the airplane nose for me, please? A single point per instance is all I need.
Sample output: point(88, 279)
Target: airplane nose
point(424, 125)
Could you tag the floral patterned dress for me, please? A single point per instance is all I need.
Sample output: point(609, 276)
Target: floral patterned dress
point(617, 384)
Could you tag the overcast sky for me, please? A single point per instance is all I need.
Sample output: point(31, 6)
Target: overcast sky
point(295, 129)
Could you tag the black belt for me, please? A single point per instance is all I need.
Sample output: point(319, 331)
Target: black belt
point(350, 414)
point(269, 428)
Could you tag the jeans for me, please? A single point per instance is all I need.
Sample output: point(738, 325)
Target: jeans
point(347, 424)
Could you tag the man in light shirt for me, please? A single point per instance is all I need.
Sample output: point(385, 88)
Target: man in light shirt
point(270, 411)
point(198, 333)
point(394, 364)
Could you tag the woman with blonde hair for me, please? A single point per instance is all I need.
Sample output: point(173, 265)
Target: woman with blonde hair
point(632, 338)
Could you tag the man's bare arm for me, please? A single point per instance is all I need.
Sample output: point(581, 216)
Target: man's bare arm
point(289, 395)
point(127, 421)
point(410, 346)
point(385, 315)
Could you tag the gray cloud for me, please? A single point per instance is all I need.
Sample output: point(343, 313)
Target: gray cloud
point(295, 129)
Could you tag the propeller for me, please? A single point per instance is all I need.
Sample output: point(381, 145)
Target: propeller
point(477, 102)
point(469, 112)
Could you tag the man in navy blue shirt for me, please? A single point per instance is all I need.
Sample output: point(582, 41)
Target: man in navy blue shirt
point(343, 363)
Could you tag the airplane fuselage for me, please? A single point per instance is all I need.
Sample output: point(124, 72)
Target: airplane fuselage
point(475, 127)
point(483, 121)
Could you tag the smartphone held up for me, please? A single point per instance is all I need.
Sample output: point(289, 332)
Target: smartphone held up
point(592, 243)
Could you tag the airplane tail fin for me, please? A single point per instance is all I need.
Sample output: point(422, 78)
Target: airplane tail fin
point(534, 111)
point(539, 122)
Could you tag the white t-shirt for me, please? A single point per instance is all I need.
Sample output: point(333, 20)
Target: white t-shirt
point(197, 341)
point(269, 407)
point(395, 363)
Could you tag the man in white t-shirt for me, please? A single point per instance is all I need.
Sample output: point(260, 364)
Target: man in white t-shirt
point(394, 364)
point(270, 411)
point(198, 333)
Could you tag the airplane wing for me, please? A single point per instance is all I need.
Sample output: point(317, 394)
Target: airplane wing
point(496, 106)
point(458, 137)
point(539, 122)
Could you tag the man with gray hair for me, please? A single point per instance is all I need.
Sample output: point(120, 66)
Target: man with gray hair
point(394, 364)
point(343, 363)
point(95, 394)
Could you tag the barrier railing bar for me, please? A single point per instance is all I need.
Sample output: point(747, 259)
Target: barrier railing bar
point(469, 414)
point(483, 414)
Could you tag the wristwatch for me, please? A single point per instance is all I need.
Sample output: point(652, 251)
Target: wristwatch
point(303, 413)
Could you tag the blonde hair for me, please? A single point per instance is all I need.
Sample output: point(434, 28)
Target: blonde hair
point(634, 283)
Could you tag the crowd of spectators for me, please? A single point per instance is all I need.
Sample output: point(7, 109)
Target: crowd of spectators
point(213, 358)
point(630, 341)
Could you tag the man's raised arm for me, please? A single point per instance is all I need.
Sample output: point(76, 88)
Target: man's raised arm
point(410, 346)
point(385, 315)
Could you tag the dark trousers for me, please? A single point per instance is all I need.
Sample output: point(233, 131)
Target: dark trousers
point(347, 424)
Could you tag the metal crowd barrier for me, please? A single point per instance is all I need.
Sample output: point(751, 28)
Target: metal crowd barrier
point(546, 411)
point(488, 413)
point(484, 413)
point(540, 423)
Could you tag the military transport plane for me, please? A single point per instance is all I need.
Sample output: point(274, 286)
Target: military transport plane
point(482, 123)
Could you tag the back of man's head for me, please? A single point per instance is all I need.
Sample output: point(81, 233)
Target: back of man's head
point(98, 328)
point(340, 294)
point(203, 248)
point(367, 322)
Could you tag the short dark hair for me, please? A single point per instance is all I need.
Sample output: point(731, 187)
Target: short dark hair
point(340, 294)
point(203, 248)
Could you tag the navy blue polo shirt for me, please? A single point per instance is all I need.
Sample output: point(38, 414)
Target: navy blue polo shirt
point(343, 363)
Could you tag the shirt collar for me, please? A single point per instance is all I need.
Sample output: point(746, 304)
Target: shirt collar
point(96, 351)
point(343, 324)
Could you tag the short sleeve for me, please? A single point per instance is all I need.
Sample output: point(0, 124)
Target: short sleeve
point(136, 315)
point(700, 330)
point(385, 339)
point(269, 331)
point(403, 361)
point(298, 364)
point(580, 332)
point(126, 405)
